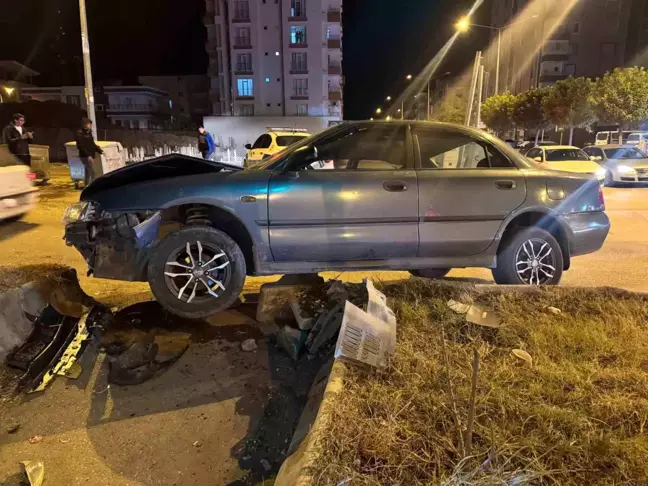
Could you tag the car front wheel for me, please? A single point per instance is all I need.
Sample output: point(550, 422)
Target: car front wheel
point(531, 256)
point(196, 272)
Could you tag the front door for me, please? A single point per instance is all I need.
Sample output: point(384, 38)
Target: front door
point(467, 187)
point(354, 197)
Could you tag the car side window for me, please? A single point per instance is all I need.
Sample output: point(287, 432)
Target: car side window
point(362, 148)
point(533, 153)
point(446, 150)
point(593, 152)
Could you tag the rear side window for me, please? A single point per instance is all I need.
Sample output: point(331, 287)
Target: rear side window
point(447, 150)
point(602, 136)
point(285, 140)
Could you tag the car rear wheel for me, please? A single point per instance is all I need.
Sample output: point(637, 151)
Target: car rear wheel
point(433, 273)
point(196, 272)
point(531, 256)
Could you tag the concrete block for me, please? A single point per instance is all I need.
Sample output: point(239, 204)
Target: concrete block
point(292, 340)
point(274, 302)
point(15, 327)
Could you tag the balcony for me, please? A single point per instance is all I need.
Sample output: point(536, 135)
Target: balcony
point(299, 96)
point(245, 98)
point(298, 45)
point(335, 69)
point(242, 43)
point(241, 20)
point(298, 69)
point(335, 96)
point(132, 108)
point(334, 16)
point(243, 69)
point(334, 43)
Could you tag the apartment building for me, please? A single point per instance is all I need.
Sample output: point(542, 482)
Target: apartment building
point(189, 95)
point(549, 41)
point(275, 57)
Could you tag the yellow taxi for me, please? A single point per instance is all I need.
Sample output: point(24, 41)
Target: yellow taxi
point(567, 158)
point(271, 142)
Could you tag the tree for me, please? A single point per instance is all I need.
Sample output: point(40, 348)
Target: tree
point(528, 112)
point(568, 104)
point(452, 109)
point(497, 112)
point(621, 96)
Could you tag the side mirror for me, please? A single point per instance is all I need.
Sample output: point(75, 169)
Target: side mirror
point(537, 159)
point(248, 146)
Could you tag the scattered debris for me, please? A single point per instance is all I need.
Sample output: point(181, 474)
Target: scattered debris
point(13, 428)
point(35, 472)
point(305, 317)
point(476, 314)
point(523, 355)
point(36, 439)
point(249, 345)
point(326, 326)
point(292, 340)
point(553, 310)
point(64, 441)
point(197, 444)
point(266, 465)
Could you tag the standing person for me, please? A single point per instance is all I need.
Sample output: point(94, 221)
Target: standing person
point(18, 139)
point(87, 149)
point(206, 143)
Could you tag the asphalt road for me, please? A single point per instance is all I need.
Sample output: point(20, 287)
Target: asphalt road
point(216, 396)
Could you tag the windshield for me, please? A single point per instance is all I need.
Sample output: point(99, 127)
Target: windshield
point(624, 153)
point(559, 155)
point(635, 137)
point(285, 140)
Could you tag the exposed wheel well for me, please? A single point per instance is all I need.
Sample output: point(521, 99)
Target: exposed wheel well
point(218, 218)
point(546, 222)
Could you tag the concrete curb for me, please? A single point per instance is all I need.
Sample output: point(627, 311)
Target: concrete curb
point(531, 289)
point(304, 447)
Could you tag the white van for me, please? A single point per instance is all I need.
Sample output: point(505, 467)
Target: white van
point(638, 139)
point(610, 138)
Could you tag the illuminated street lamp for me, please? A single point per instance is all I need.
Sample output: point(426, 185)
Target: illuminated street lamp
point(388, 98)
point(408, 77)
point(378, 111)
point(9, 90)
point(464, 24)
point(388, 118)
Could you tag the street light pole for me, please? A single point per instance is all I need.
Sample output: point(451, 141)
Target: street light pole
point(497, 67)
point(87, 67)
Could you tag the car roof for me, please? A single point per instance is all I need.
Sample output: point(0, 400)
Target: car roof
point(552, 147)
point(612, 146)
point(289, 134)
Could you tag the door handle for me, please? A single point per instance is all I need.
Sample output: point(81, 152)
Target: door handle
point(394, 186)
point(505, 185)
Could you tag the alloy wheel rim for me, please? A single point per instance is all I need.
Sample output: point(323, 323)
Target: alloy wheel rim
point(197, 272)
point(535, 262)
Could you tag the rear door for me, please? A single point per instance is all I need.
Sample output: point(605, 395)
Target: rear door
point(260, 147)
point(467, 187)
point(355, 200)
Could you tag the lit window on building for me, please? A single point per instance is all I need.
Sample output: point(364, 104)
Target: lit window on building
point(245, 87)
point(297, 8)
point(297, 34)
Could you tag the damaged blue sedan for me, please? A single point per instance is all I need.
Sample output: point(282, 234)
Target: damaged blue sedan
point(402, 195)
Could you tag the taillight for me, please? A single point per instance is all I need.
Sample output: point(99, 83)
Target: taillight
point(31, 176)
point(601, 198)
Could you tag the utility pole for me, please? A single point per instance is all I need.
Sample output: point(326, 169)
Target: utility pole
point(480, 91)
point(473, 88)
point(87, 67)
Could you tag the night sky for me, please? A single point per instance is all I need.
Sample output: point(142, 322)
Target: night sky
point(383, 41)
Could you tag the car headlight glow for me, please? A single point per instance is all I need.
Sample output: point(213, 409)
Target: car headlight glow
point(624, 169)
point(600, 173)
point(75, 213)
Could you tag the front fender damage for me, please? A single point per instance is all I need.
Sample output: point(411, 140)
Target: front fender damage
point(116, 246)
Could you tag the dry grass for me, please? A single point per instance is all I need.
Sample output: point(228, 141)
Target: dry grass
point(576, 417)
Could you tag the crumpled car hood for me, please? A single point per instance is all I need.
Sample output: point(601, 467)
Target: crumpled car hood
point(167, 166)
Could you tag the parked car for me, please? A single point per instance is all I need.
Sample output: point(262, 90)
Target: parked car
point(622, 164)
point(275, 140)
point(400, 195)
point(611, 137)
point(17, 192)
point(564, 157)
point(527, 145)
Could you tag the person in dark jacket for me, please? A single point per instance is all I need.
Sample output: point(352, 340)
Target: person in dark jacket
point(18, 139)
point(87, 149)
point(206, 143)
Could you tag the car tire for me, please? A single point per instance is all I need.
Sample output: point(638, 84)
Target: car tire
point(170, 257)
point(431, 273)
point(516, 256)
point(609, 179)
